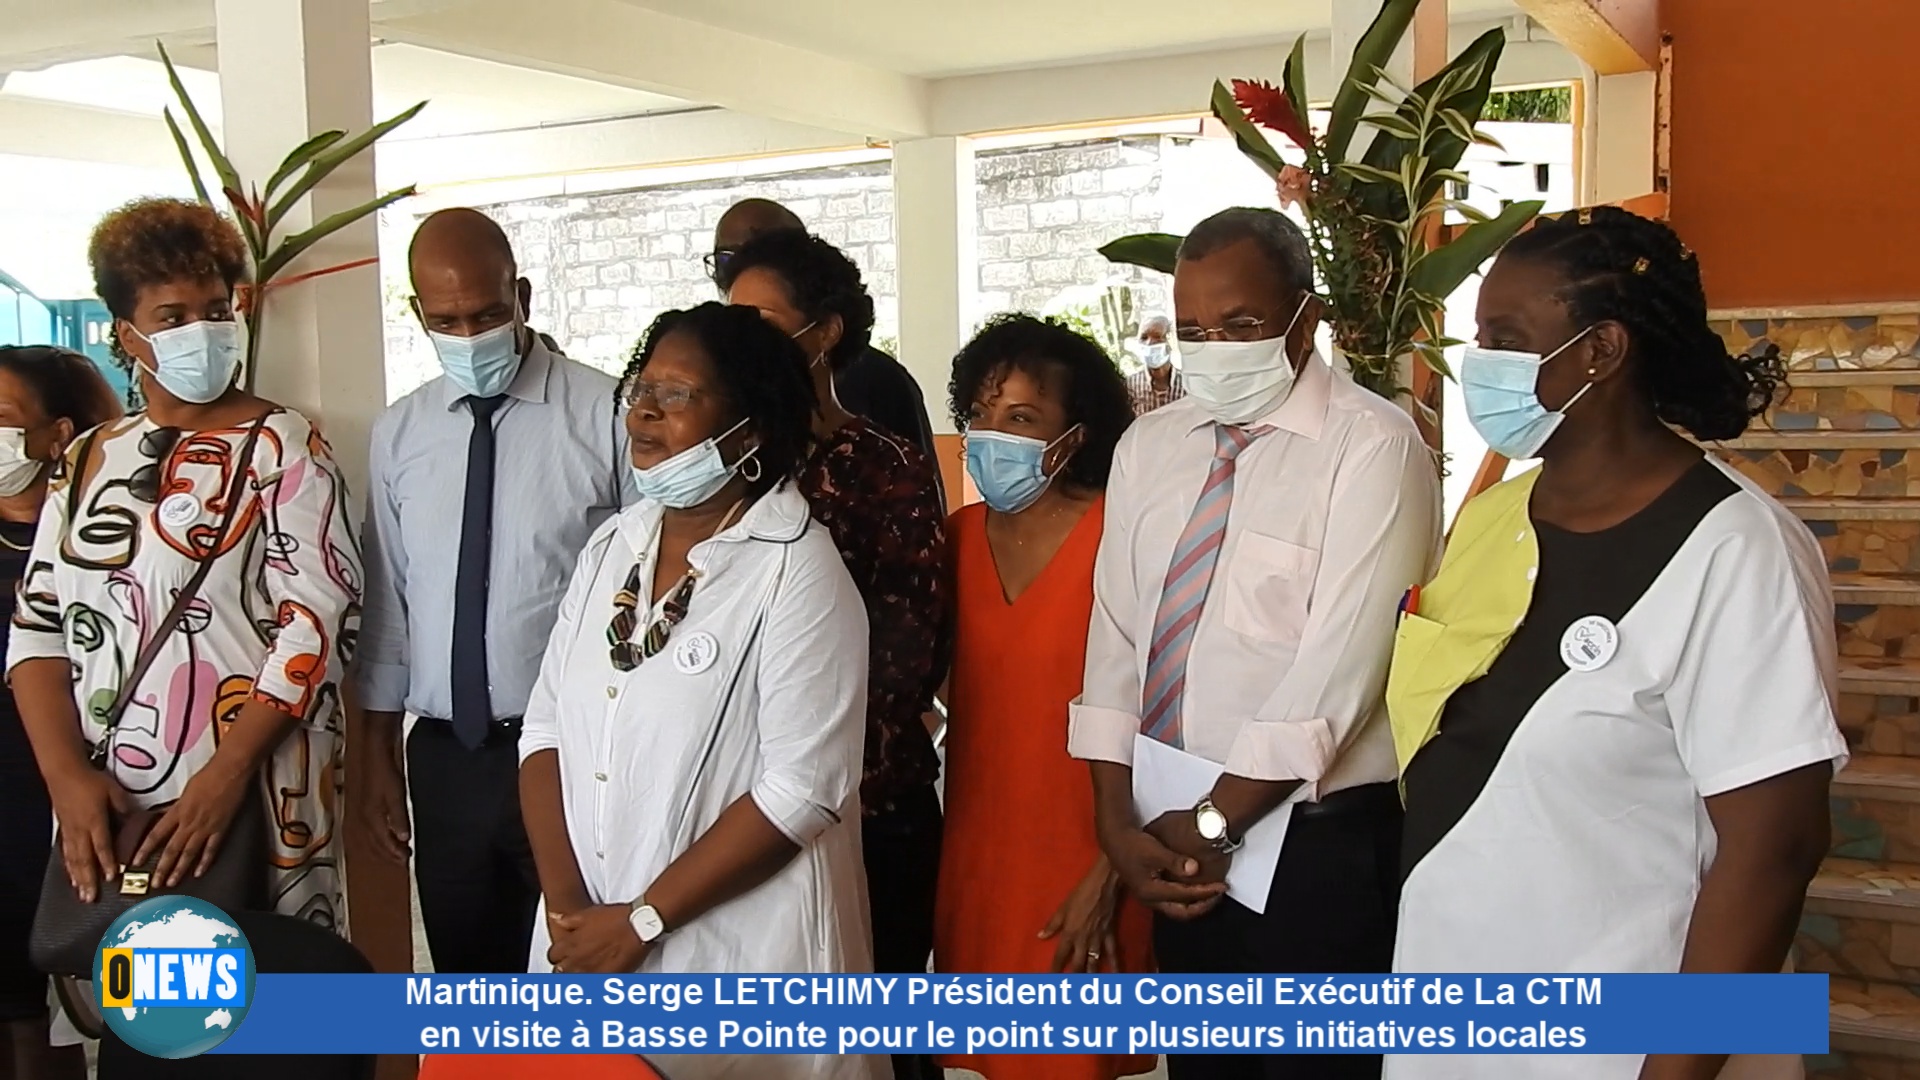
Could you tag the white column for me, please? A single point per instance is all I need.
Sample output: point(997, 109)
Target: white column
point(290, 69)
point(1620, 153)
point(934, 226)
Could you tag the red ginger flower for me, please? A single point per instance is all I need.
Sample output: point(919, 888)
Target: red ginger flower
point(1267, 105)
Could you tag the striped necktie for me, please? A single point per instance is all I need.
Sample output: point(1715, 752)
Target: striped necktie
point(1185, 592)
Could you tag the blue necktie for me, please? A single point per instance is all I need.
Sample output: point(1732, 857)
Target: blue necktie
point(472, 697)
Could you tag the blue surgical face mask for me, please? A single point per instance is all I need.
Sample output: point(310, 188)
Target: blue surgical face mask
point(482, 365)
point(196, 362)
point(691, 476)
point(1155, 354)
point(1009, 470)
point(1503, 399)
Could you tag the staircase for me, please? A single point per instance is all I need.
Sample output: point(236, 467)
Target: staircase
point(1843, 452)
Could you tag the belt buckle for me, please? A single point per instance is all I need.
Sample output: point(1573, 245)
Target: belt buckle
point(135, 882)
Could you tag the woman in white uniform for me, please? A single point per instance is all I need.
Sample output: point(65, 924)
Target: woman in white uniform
point(690, 761)
point(1614, 706)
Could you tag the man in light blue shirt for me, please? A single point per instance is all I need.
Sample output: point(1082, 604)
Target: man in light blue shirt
point(485, 484)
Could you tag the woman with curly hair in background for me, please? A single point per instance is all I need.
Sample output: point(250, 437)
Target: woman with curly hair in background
point(878, 496)
point(237, 710)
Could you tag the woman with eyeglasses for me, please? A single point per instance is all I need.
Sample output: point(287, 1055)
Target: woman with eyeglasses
point(690, 759)
point(47, 396)
point(1043, 409)
point(877, 496)
point(138, 689)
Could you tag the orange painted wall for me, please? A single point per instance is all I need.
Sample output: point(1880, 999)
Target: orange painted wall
point(1796, 166)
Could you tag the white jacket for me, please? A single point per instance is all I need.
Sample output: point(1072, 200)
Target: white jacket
point(762, 691)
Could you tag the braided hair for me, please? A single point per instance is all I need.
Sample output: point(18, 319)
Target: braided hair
point(1620, 267)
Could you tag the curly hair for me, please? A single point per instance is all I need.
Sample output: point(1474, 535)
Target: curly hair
point(154, 241)
point(1620, 267)
point(820, 281)
point(1095, 393)
point(761, 372)
point(64, 383)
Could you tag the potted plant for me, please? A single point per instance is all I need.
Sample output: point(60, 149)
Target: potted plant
point(1374, 214)
point(261, 211)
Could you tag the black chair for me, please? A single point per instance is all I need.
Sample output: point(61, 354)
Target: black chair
point(282, 945)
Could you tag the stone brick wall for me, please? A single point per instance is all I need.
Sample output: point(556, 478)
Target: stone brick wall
point(1045, 211)
point(604, 265)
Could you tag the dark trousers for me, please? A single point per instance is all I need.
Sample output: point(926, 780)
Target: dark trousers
point(902, 852)
point(1331, 910)
point(474, 869)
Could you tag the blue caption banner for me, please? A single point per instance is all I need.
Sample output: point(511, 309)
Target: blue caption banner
point(754, 1014)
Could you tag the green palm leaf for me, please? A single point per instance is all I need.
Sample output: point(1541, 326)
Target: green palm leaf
point(294, 246)
point(1439, 272)
point(1373, 52)
point(331, 158)
point(1155, 251)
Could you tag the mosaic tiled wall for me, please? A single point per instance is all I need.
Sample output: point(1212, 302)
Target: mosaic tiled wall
point(1868, 546)
point(1856, 343)
point(1864, 343)
point(1880, 725)
point(1857, 948)
point(1851, 474)
point(1849, 408)
point(1878, 630)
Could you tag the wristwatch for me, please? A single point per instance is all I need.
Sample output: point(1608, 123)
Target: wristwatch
point(1212, 826)
point(646, 922)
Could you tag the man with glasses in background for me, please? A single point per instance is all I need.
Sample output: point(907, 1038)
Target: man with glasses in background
point(873, 385)
point(485, 485)
point(1261, 534)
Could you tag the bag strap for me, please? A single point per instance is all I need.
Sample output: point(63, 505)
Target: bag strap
point(184, 598)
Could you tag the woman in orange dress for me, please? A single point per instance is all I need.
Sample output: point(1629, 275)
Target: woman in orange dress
point(1023, 885)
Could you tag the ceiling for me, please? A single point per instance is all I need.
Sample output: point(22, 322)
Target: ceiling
point(938, 38)
point(466, 95)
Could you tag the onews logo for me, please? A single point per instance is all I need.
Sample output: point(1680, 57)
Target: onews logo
point(175, 976)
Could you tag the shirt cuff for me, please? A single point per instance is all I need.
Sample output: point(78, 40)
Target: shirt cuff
point(383, 687)
point(1831, 748)
point(535, 739)
point(1097, 734)
point(800, 819)
point(24, 645)
point(1283, 750)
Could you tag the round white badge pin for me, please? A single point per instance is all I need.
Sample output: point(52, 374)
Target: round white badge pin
point(695, 653)
point(1589, 643)
point(179, 508)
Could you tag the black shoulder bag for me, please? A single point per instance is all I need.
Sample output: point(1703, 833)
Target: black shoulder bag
point(66, 932)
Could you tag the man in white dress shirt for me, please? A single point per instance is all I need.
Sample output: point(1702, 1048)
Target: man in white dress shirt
point(1260, 534)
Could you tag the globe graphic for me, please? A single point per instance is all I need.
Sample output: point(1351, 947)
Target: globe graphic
point(175, 922)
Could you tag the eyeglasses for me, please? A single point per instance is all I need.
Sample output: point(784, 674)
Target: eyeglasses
point(1243, 328)
point(669, 398)
point(622, 651)
point(717, 261)
point(157, 444)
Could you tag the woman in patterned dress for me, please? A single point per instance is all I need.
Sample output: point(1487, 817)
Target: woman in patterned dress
point(242, 701)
